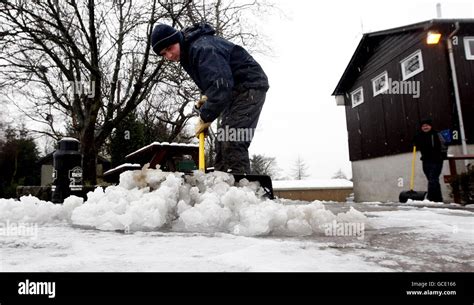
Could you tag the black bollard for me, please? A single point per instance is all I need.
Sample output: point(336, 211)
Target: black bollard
point(67, 173)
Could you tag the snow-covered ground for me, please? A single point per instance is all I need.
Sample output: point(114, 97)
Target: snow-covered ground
point(155, 221)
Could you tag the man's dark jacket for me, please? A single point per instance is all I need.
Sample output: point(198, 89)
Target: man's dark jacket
point(430, 146)
point(218, 67)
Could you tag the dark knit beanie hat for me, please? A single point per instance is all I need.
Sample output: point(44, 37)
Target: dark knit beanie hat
point(427, 121)
point(163, 36)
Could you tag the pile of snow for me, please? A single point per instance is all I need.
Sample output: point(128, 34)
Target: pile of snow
point(33, 210)
point(150, 199)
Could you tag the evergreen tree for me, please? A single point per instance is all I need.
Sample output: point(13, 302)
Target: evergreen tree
point(262, 165)
point(128, 137)
point(18, 161)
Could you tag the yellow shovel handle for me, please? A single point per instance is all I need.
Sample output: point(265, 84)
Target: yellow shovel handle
point(202, 159)
point(412, 178)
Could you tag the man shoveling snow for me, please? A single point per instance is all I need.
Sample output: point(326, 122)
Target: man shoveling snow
point(232, 81)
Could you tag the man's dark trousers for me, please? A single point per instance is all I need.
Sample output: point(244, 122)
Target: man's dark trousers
point(240, 118)
point(432, 170)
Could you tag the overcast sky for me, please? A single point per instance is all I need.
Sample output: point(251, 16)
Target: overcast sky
point(311, 49)
point(312, 43)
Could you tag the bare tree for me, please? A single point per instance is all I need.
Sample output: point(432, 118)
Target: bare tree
point(66, 58)
point(300, 169)
point(79, 67)
point(171, 106)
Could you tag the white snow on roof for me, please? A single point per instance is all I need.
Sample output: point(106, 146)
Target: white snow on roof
point(311, 184)
point(69, 139)
point(138, 166)
point(161, 144)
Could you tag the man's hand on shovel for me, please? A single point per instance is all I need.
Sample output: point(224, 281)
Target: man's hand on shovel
point(198, 104)
point(201, 127)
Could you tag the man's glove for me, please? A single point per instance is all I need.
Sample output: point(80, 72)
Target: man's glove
point(198, 104)
point(201, 126)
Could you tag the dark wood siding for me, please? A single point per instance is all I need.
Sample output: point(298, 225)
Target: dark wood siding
point(388, 122)
point(353, 132)
point(465, 74)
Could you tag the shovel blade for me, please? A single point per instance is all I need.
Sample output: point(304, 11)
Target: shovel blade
point(411, 194)
point(264, 180)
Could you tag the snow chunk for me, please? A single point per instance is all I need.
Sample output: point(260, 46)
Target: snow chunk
point(352, 216)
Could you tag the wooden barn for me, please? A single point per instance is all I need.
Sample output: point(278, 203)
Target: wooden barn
point(394, 79)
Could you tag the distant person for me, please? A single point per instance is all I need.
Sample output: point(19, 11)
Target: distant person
point(433, 152)
point(233, 83)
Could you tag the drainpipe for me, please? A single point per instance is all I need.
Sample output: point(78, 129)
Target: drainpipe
point(456, 91)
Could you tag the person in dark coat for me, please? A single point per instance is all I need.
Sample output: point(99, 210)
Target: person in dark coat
point(430, 143)
point(233, 85)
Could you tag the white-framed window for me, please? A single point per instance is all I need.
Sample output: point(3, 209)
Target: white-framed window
point(469, 47)
point(412, 65)
point(357, 97)
point(380, 83)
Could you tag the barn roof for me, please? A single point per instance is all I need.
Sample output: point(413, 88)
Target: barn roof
point(368, 40)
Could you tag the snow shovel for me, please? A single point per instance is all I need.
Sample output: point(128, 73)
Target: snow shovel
point(411, 194)
point(264, 180)
point(202, 159)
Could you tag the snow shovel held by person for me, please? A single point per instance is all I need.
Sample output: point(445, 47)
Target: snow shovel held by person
point(202, 159)
point(411, 194)
point(202, 135)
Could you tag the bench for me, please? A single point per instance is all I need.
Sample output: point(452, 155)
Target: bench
point(453, 173)
point(171, 157)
